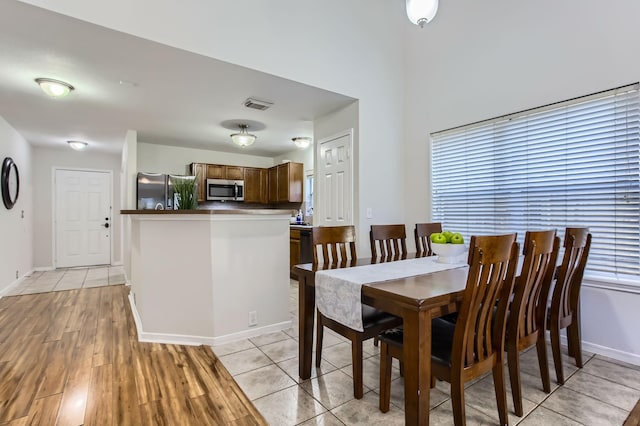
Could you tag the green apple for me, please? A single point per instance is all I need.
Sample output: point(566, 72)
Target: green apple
point(457, 238)
point(447, 235)
point(438, 238)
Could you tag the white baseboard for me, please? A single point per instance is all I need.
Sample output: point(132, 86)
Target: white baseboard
point(180, 339)
point(252, 332)
point(44, 268)
point(118, 263)
point(14, 284)
point(616, 354)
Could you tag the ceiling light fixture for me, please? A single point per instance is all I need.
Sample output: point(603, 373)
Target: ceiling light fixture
point(77, 145)
point(243, 139)
point(54, 88)
point(421, 12)
point(302, 142)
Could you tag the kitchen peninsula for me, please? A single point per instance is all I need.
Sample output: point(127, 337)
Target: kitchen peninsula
point(209, 276)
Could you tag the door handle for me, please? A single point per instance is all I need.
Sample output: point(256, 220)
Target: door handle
point(106, 225)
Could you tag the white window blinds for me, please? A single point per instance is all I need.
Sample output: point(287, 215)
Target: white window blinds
point(574, 163)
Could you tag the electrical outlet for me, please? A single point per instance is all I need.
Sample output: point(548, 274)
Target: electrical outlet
point(17, 275)
point(369, 213)
point(253, 318)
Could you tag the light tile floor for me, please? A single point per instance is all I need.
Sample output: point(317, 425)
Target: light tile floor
point(266, 367)
point(68, 279)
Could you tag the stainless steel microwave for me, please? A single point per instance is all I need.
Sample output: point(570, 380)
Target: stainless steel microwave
point(222, 190)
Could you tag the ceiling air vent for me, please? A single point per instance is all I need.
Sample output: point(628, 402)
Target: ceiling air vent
point(257, 104)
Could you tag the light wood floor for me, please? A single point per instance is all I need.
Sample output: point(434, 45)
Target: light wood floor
point(73, 358)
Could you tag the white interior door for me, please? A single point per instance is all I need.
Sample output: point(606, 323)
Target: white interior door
point(82, 218)
point(335, 177)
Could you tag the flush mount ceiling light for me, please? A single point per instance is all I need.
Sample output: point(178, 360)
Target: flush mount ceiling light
point(421, 12)
point(243, 139)
point(77, 145)
point(302, 143)
point(54, 88)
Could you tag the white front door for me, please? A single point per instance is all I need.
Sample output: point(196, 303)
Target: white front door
point(82, 218)
point(335, 182)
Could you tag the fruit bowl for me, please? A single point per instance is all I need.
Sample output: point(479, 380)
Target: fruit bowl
point(449, 253)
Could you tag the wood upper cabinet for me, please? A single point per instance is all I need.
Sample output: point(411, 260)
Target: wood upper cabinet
point(234, 172)
point(199, 170)
point(279, 184)
point(285, 183)
point(272, 195)
point(255, 185)
point(218, 171)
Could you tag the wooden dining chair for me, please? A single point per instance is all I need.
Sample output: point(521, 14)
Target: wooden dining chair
point(528, 311)
point(336, 243)
point(564, 311)
point(422, 233)
point(333, 244)
point(475, 344)
point(388, 241)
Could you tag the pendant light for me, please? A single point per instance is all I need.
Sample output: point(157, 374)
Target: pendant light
point(421, 12)
point(243, 139)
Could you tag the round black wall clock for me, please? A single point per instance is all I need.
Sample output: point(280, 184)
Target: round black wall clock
point(10, 182)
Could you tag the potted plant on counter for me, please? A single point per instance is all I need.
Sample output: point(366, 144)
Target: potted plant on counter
point(185, 189)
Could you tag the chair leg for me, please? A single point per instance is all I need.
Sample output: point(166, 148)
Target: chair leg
point(433, 381)
point(557, 354)
point(501, 391)
point(573, 337)
point(401, 368)
point(356, 355)
point(457, 401)
point(385, 377)
point(319, 336)
point(375, 341)
point(514, 376)
point(543, 362)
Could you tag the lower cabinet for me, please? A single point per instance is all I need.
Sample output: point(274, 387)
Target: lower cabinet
point(300, 250)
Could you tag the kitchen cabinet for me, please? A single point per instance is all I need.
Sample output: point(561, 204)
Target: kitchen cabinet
point(285, 183)
point(199, 170)
point(273, 185)
point(218, 171)
point(300, 248)
point(255, 185)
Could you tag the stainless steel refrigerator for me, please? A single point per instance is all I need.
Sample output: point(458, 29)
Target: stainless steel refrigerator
point(154, 192)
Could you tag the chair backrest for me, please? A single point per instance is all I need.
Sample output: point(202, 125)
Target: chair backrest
point(421, 233)
point(564, 301)
point(528, 311)
point(388, 241)
point(337, 244)
point(479, 333)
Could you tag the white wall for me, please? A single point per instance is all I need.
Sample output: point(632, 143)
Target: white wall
point(513, 56)
point(16, 231)
point(44, 160)
point(128, 197)
point(351, 47)
point(153, 158)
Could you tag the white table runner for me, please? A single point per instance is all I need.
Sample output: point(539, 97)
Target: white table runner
point(338, 291)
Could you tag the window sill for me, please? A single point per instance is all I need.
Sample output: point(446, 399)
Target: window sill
point(626, 285)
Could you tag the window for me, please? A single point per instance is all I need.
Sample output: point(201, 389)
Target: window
point(574, 163)
point(308, 190)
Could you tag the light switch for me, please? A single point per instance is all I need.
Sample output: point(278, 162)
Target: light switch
point(369, 213)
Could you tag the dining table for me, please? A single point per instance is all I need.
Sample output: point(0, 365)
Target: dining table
point(417, 299)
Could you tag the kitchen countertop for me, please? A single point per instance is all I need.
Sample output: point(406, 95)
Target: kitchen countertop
point(209, 212)
point(300, 227)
